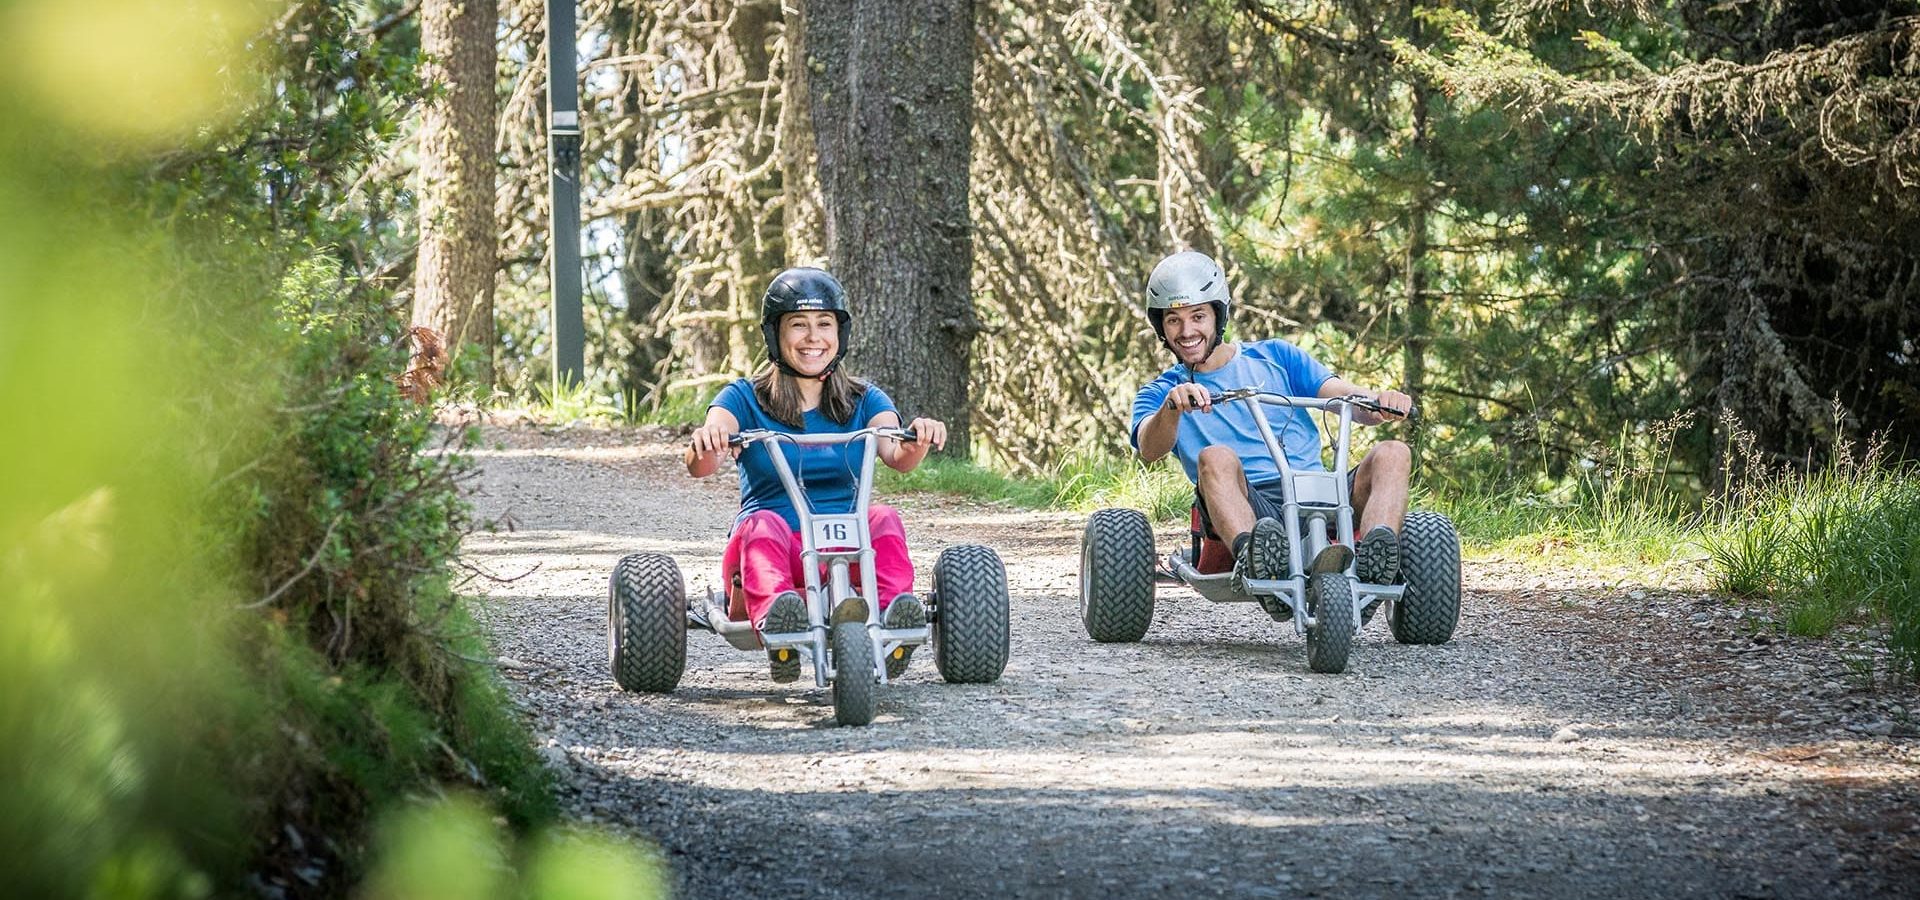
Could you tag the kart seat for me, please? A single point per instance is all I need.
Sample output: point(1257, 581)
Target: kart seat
point(736, 600)
point(1209, 556)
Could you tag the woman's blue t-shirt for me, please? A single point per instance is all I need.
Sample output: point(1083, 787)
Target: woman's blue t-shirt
point(830, 474)
point(1271, 365)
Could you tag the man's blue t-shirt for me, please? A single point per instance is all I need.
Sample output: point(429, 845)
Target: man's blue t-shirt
point(1272, 365)
point(830, 474)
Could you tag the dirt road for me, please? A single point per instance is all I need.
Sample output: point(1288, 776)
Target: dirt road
point(1579, 737)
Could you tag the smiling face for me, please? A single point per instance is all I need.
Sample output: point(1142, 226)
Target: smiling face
point(809, 341)
point(1190, 331)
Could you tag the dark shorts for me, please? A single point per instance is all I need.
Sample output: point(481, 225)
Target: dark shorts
point(1267, 500)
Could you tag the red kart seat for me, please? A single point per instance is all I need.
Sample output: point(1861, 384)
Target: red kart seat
point(1209, 556)
point(736, 600)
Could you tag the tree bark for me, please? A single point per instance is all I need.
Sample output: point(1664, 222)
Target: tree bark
point(453, 280)
point(891, 100)
point(758, 250)
point(1419, 321)
point(1185, 180)
point(646, 261)
point(802, 208)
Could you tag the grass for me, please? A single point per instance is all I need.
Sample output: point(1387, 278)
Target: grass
point(598, 403)
point(1835, 547)
point(1084, 483)
point(1838, 547)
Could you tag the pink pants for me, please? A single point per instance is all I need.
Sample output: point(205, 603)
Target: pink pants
point(763, 559)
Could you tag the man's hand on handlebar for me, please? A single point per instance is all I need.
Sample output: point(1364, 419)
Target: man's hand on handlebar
point(1392, 405)
point(1188, 397)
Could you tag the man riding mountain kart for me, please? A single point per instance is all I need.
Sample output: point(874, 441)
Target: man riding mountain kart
point(1237, 481)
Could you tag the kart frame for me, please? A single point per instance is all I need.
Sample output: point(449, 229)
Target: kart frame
point(837, 541)
point(1313, 502)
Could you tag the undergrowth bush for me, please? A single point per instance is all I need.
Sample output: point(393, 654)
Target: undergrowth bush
point(1841, 545)
point(358, 516)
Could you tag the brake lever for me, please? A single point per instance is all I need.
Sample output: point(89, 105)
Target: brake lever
point(1369, 403)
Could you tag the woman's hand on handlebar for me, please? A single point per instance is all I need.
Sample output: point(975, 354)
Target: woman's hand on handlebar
point(928, 434)
point(903, 455)
point(709, 440)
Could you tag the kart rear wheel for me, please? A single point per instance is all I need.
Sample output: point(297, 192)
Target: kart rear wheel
point(1116, 576)
point(853, 681)
point(647, 623)
point(971, 628)
point(1330, 638)
point(1430, 568)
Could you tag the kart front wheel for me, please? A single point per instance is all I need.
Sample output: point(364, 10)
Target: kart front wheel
point(647, 623)
point(1116, 576)
point(971, 615)
point(853, 679)
point(1330, 637)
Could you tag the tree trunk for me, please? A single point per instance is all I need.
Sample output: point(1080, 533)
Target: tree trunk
point(1185, 183)
point(758, 250)
point(1419, 321)
point(801, 205)
point(890, 95)
point(453, 279)
point(646, 270)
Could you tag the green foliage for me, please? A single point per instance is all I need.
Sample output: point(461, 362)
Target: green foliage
point(364, 507)
point(1084, 482)
point(357, 518)
point(1838, 546)
point(227, 629)
point(452, 848)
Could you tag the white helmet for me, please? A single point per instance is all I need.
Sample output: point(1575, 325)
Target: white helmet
point(1186, 279)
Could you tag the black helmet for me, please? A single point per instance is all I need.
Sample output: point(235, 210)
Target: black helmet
point(803, 289)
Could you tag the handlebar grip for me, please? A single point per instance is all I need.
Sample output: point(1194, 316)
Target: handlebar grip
point(733, 440)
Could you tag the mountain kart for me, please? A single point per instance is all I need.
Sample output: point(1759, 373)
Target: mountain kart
point(1118, 571)
point(648, 613)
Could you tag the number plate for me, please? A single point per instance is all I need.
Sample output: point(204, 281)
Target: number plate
point(835, 533)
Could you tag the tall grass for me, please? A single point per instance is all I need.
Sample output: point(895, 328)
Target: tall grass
point(1626, 502)
point(598, 402)
point(1084, 482)
point(1837, 546)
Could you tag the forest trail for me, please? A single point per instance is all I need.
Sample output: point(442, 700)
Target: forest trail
point(1576, 738)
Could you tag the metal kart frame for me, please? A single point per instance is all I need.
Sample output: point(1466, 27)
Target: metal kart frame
point(1313, 501)
point(835, 540)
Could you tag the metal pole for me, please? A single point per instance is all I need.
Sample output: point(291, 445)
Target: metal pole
point(563, 158)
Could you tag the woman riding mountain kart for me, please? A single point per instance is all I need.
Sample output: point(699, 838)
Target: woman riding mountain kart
point(805, 321)
point(813, 572)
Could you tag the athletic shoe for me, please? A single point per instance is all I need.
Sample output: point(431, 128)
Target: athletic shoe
point(905, 611)
point(786, 616)
point(1265, 556)
point(1379, 556)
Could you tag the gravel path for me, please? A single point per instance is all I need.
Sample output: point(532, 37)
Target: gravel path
point(1578, 737)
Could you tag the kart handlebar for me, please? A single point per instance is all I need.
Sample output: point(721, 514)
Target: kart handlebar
point(1355, 400)
point(756, 435)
